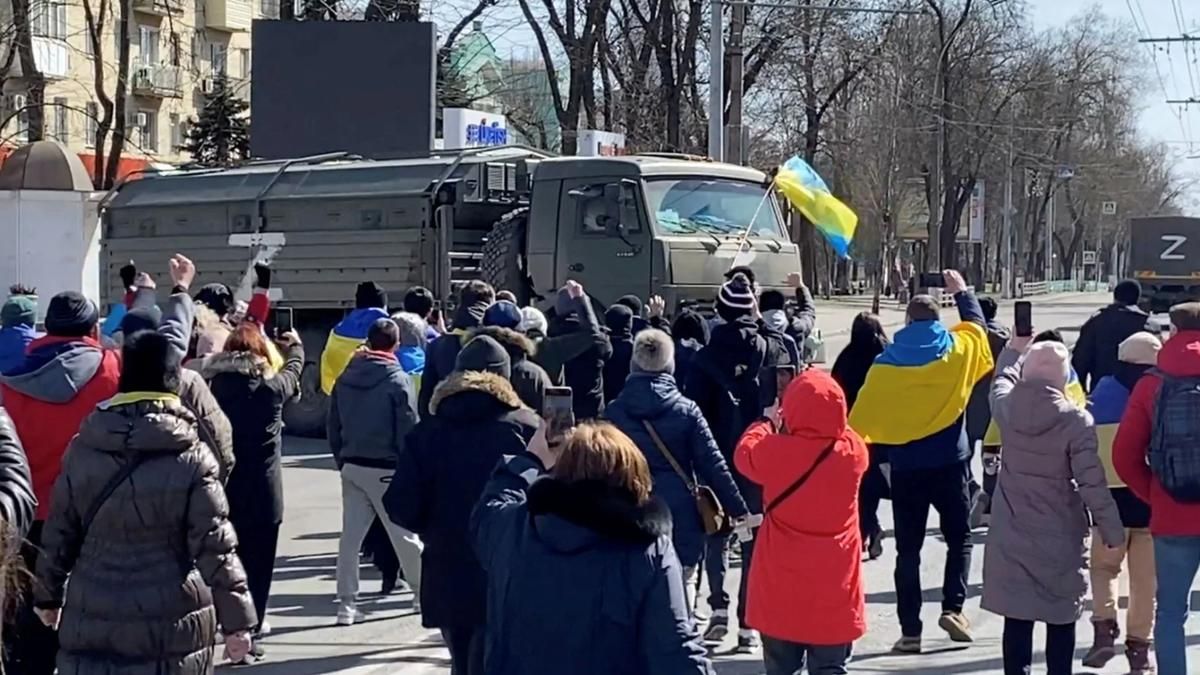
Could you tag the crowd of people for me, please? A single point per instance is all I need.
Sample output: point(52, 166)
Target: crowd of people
point(140, 476)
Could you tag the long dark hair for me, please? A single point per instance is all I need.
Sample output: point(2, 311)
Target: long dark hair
point(867, 333)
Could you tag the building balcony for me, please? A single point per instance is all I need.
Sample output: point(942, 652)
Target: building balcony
point(159, 7)
point(158, 81)
point(232, 16)
point(53, 58)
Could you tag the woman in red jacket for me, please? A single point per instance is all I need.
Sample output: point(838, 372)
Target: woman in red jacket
point(808, 553)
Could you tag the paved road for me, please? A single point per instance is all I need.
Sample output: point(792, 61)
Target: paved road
point(391, 641)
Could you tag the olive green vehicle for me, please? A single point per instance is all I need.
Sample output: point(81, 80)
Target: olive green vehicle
point(523, 221)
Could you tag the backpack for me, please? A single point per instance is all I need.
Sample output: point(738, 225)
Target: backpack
point(1175, 438)
point(742, 400)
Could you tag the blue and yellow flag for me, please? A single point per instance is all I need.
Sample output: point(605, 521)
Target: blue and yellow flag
point(806, 191)
point(344, 340)
point(921, 383)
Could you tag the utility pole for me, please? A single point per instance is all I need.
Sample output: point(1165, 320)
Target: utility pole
point(737, 29)
point(716, 84)
point(1050, 232)
point(1007, 273)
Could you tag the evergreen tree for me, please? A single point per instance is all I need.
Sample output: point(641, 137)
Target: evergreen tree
point(221, 137)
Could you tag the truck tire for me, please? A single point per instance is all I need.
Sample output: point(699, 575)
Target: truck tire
point(304, 415)
point(503, 263)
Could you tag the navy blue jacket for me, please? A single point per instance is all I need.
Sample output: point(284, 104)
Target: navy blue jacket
point(581, 580)
point(680, 424)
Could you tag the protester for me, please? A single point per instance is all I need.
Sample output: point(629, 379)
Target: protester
point(583, 372)
point(214, 309)
point(620, 322)
point(809, 464)
point(506, 296)
point(418, 301)
point(139, 527)
point(473, 300)
point(1095, 353)
point(1033, 567)
point(803, 320)
point(66, 374)
point(1152, 454)
point(252, 396)
point(637, 312)
point(1107, 404)
point(533, 323)
point(18, 317)
point(725, 383)
point(556, 348)
point(690, 333)
point(680, 451)
point(370, 305)
point(979, 413)
point(581, 574)
point(371, 411)
point(17, 502)
point(475, 417)
point(868, 339)
point(411, 354)
point(932, 371)
point(528, 379)
point(775, 325)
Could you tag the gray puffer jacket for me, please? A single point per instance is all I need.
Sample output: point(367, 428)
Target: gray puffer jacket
point(157, 569)
point(1034, 566)
point(372, 408)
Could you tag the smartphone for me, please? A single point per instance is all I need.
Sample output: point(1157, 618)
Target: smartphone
point(435, 316)
point(283, 320)
point(558, 410)
point(783, 377)
point(1023, 318)
point(932, 280)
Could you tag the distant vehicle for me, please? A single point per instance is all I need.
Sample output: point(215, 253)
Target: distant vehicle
point(644, 224)
point(1164, 256)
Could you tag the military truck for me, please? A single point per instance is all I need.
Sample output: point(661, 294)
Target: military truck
point(513, 216)
point(1164, 256)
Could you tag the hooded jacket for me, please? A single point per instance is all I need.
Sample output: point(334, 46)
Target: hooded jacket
point(252, 396)
point(14, 340)
point(474, 419)
point(344, 340)
point(1034, 567)
point(528, 379)
point(372, 409)
point(159, 556)
point(1100, 337)
point(584, 373)
point(17, 502)
point(621, 329)
point(1180, 357)
point(1107, 404)
point(581, 580)
point(654, 398)
point(808, 551)
point(442, 352)
point(854, 362)
point(62, 381)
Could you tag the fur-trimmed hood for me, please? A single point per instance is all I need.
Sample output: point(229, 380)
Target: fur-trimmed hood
point(571, 517)
point(243, 363)
point(516, 344)
point(467, 385)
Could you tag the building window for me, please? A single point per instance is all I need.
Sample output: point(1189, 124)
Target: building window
point(20, 107)
point(217, 57)
point(59, 129)
point(244, 60)
point(176, 132)
point(48, 19)
point(147, 123)
point(148, 46)
point(92, 124)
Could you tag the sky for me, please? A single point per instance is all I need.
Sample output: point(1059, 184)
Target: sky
point(1176, 125)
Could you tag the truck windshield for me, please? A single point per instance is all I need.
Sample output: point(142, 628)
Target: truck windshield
point(712, 206)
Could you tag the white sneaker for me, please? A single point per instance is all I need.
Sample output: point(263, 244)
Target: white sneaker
point(347, 614)
point(264, 629)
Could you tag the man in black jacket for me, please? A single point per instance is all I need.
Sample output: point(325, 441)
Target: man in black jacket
point(473, 301)
point(584, 373)
point(1095, 353)
point(621, 323)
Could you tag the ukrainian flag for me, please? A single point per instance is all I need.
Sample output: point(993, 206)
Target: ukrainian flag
point(1073, 392)
point(921, 383)
point(344, 340)
point(806, 191)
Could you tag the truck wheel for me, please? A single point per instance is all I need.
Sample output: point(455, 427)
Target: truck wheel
point(503, 262)
point(304, 415)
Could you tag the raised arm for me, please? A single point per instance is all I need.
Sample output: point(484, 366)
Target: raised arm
point(500, 507)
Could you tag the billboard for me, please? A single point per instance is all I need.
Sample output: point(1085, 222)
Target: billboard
point(324, 86)
point(595, 143)
point(466, 128)
point(912, 213)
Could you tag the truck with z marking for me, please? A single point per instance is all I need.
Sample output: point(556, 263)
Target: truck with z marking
point(1164, 256)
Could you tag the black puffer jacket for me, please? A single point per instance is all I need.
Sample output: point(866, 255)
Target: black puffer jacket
point(252, 397)
point(1095, 352)
point(16, 487)
point(159, 556)
point(476, 418)
point(584, 374)
point(528, 378)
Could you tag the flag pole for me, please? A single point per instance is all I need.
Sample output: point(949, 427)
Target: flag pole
point(750, 225)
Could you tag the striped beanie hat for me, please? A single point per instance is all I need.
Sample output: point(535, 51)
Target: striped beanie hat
point(736, 298)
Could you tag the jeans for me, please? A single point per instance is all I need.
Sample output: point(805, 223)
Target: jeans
point(789, 658)
point(914, 492)
point(1105, 568)
point(466, 649)
point(1176, 560)
point(872, 490)
point(716, 565)
point(1018, 648)
point(362, 502)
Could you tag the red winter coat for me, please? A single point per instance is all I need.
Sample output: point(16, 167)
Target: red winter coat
point(1180, 357)
point(60, 384)
point(806, 573)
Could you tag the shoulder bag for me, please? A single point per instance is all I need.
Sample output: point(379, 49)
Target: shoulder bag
point(110, 487)
point(712, 515)
point(791, 489)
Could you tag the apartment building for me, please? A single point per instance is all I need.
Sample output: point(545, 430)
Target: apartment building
point(177, 47)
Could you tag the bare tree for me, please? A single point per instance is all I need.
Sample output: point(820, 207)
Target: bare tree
point(111, 128)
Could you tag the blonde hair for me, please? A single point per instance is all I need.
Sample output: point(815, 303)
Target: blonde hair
point(599, 451)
